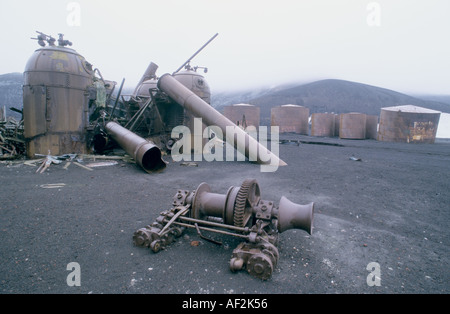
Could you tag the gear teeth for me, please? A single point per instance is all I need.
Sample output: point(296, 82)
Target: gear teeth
point(241, 202)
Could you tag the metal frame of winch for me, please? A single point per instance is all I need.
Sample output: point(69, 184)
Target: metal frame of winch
point(239, 213)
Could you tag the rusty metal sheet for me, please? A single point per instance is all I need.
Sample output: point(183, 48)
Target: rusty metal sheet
point(290, 118)
point(352, 126)
point(323, 124)
point(238, 112)
point(371, 127)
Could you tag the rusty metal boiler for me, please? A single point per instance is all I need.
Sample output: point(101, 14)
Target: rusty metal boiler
point(56, 99)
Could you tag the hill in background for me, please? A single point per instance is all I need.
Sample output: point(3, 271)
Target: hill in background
point(336, 96)
point(330, 95)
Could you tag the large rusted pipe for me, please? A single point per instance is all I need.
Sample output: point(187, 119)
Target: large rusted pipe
point(148, 74)
point(145, 153)
point(210, 116)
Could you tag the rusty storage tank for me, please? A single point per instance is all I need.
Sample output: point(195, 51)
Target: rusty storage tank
point(243, 114)
point(409, 124)
point(371, 127)
point(352, 126)
point(290, 118)
point(323, 124)
point(56, 99)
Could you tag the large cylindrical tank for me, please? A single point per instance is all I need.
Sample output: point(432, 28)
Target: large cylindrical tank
point(147, 81)
point(55, 101)
point(352, 126)
point(323, 124)
point(243, 115)
point(290, 118)
point(409, 124)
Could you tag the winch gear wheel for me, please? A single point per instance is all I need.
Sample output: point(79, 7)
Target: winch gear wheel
point(247, 196)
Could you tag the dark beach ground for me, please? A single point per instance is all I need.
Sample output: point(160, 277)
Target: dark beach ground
point(391, 208)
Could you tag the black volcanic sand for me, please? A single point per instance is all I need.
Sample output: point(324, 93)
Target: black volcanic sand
point(392, 208)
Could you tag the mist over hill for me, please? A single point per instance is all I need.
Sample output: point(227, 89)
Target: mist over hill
point(331, 95)
point(438, 98)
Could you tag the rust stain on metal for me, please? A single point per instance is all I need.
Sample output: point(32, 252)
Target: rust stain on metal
point(409, 124)
point(243, 115)
point(352, 126)
point(323, 124)
point(290, 119)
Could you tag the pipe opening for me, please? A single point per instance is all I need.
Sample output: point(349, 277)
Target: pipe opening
point(152, 161)
point(99, 141)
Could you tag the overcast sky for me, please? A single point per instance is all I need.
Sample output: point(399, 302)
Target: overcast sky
point(397, 44)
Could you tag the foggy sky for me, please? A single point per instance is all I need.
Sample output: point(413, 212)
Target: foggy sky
point(397, 44)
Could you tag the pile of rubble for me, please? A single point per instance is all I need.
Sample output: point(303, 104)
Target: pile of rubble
point(12, 142)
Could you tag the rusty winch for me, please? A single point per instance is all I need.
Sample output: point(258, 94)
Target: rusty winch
point(241, 213)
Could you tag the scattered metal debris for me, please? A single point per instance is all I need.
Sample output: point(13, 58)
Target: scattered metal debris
point(12, 143)
point(189, 164)
point(355, 158)
point(53, 185)
point(82, 166)
point(73, 158)
point(47, 162)
point(101, 164)
point(298, 142)
point(290, 142)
